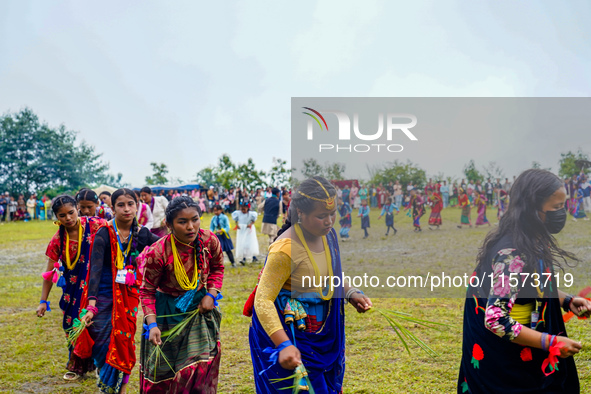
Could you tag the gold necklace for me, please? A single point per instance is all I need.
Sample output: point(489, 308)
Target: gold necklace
point(71, 265)
point(179, 269)
point(320, 292)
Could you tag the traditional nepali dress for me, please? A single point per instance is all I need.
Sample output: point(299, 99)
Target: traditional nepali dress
point(73, 283)
point(416, 204)
point(501, 204)
point(465, 204)
point(222, 224)
point(158, 206)
point(144, 216)
point(104, 212)
point(480, 203)
point(316, 326)
point(577, 205)
point(345, 221)
point(194, 353)
point(114, 326)
point(493, 318)
point(436, 208)
point(247, 243)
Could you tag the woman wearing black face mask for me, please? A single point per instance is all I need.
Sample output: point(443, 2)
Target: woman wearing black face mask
point(514, 336)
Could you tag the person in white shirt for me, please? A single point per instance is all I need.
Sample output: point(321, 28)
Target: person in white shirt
point(157, 205)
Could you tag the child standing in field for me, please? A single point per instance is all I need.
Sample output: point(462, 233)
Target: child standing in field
point(345, 222)
point(220, 226)
point(388, 210)
point(364, 215)
point(247, 244)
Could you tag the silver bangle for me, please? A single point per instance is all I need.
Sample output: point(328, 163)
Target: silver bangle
point(352, 291)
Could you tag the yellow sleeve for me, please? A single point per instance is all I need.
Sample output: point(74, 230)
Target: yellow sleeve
point(277, 271)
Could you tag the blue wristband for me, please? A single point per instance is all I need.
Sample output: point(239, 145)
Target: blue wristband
point(283, 345)
point(148, 328)
point(215, 299)
point(274, 354)
point(46, 303)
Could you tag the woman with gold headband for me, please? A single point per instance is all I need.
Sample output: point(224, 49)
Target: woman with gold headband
point(294, 320)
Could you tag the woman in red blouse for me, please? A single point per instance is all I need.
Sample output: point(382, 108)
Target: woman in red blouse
point(183, 275)
point(68, 255)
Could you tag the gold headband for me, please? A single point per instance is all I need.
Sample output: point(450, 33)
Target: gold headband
point(329, 202)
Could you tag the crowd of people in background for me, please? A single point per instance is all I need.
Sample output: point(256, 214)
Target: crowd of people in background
point(140, 245)
point(435, 195)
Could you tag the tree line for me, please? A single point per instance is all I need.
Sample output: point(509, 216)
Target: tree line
point(35, 157)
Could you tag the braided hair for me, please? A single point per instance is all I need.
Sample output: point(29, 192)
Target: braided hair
point(310, 187)
point(57, 204)
point(173, 209)
point(87, 195)
point(135, 228)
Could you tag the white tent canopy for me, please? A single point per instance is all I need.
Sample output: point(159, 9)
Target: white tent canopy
point(104, 188)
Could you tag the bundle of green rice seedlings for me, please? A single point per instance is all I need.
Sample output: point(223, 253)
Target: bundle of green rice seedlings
point(74, 332)
point(301, 381)
point(395, 318)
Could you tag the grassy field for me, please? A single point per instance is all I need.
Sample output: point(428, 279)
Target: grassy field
point(33, 355)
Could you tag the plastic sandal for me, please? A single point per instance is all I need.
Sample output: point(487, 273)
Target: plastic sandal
point(71, 376)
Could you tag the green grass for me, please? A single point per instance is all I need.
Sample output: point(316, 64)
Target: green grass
point(33, 354)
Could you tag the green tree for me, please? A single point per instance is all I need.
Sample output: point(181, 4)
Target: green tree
point(312, 168)
point(334, 171)
point(228, 174)
point(248, 176)
point(403, 172)
point(206, 177)
point(114, 180)
point(472, 174)
point(492, 171)
point(159, 176)
point(571, 163)
point(279, 175)
point(330, 171)
point(37, 157)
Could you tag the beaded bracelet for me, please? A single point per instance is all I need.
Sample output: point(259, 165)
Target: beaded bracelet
point(544, 335)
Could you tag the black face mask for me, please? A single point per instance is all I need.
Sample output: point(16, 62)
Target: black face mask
point(555, 220)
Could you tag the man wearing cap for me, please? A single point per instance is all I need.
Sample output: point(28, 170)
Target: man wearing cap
point(271, 208)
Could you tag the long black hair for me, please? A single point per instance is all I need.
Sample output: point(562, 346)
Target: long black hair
point(531, 190)
point(310, 187)
point(173, 209)
point(135, 228)
point(58, 203)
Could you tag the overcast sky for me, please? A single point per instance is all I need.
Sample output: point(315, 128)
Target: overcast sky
point(183, 82)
